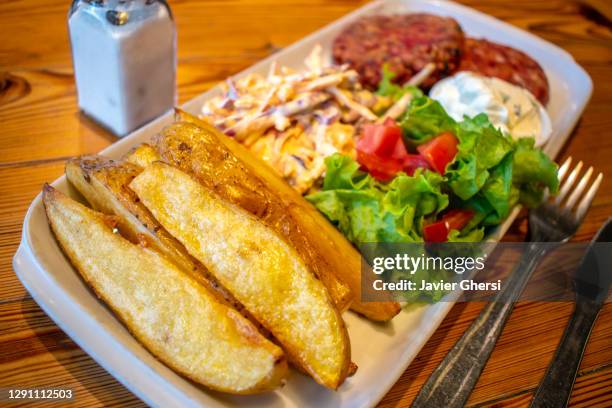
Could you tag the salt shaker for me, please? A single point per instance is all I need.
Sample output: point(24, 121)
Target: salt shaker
point(124, 57)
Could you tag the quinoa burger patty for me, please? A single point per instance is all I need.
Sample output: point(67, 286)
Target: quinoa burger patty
point(406, 42)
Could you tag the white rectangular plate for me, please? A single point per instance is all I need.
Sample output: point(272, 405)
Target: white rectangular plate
point(381, 352)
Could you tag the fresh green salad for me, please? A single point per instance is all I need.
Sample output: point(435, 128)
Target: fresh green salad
point(428, 178)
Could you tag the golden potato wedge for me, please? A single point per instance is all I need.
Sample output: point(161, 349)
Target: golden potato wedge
point(235, 174)
point(256, 264)
point(218, 169)
point(142, 155)
point(171, 314)
point(104, 184)
point(240, 184)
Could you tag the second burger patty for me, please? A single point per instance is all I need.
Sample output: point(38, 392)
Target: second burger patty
point(406, 42)
point(514, 66)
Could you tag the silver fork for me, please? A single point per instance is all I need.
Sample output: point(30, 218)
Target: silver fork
point(555, 221)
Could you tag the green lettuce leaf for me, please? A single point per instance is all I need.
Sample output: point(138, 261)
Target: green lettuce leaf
point(491, 172)
point(424, 119)
point(532, 171)
point(366, 210)
point(498, 188)
point(473, 235)
point(386, 87)
point(481, 147)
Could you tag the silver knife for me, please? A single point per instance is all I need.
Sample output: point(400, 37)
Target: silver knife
point(592, 283)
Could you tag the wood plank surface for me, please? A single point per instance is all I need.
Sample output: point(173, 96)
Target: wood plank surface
point(40, 127)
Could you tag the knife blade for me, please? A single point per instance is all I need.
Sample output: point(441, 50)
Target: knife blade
point(592, 285)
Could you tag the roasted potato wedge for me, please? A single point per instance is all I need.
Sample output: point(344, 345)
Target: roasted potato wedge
point(142, 155)
point(234, 173)
point(145, 154)
point(256, 264)
point(104, 184)
point(217, 169)
point(170, 313)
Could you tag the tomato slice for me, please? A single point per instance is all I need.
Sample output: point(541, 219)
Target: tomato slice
point(440, 151)
point(399, 151)
point(458, 218)
point(435, 232)
point(383, 169)
point(381, 151)
point(380, 139)
point(414, 161)
point(454, 219)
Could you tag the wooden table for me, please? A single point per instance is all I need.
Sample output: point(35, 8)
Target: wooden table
point(40, 127)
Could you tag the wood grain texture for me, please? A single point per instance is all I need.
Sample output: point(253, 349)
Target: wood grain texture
point(18, 187)
point(40, 126)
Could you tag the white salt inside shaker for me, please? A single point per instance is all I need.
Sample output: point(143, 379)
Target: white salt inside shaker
point(124, 57)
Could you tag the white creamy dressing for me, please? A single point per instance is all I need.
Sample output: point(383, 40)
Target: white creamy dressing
point(510, 108)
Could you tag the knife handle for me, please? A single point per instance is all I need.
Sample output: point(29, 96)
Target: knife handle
point(556, 386)
point(452, 381)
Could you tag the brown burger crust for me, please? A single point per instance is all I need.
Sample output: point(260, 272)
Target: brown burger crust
point(406, 42)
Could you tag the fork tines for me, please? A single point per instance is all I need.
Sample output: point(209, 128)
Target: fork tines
point(567, 185)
